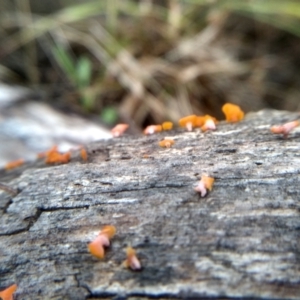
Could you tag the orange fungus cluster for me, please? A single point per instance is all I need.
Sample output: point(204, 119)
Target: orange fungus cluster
point(206, 122)
point(233, 113)
point(53, 156)
point(97, 248)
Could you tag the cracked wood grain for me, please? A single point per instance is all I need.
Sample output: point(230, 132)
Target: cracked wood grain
point(241, 241)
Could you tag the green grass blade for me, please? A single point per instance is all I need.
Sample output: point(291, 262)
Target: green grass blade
point(84, 72)
point(65, 62)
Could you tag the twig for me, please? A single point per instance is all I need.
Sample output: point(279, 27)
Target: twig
point(8, 189)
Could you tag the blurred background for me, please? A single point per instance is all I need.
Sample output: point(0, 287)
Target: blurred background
point(71, 69)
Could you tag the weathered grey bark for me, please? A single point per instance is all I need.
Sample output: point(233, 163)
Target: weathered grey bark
point(242, 240)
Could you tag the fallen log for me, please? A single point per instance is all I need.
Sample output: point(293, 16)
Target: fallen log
point(240, 241)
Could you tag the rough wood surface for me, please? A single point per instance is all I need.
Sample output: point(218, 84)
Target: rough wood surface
point(241, 241)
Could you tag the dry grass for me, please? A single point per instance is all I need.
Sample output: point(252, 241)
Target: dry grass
point(155, 60)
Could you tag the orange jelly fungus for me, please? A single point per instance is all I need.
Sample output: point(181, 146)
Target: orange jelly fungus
point(47, 153)
point(206, 183)
point(284, 129)
point(83, 154)
point(14, 164)
point(233, 113)
point(167, 125)
point(53, 156)
point(132, 261)
point(188, 122)
point(96, 247)
point(119, 129)
point(56, 157)
point(7, 294)
point(166, 143)
point(209, 123)
point(200, 120)
point(152, 129)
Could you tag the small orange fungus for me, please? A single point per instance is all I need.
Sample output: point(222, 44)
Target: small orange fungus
point(132, 261)
point(285, 129)
point(233, 113)
point(7, 294)
point(65, 157)
point(167, 125)
point(152, 129)
point(53, 156)
point(200, 120)
point(119, 129)
point(206, 183)
point(56, 157)
point(166, 143)
point(83, 154)
point(109, 231)
point(47, 153)
point(14, 164)
point(96, 247)
point(209, 123)
point(188, 122)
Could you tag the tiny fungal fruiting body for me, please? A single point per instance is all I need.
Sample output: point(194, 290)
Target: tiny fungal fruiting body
point(56, 157)
point(284, 129)
point(151, 129)
point(132, 261)
point(209, 123)
point(206, 183)
point(167, 125)
point(52, 156)
point(14, 164)
point(83, 154)
point(96, 247)
point(166, 143)
point(232, 112)
point(7, 294)
point(119, 129)
point(201, 120)
point(47, 153)
point(188, 122)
